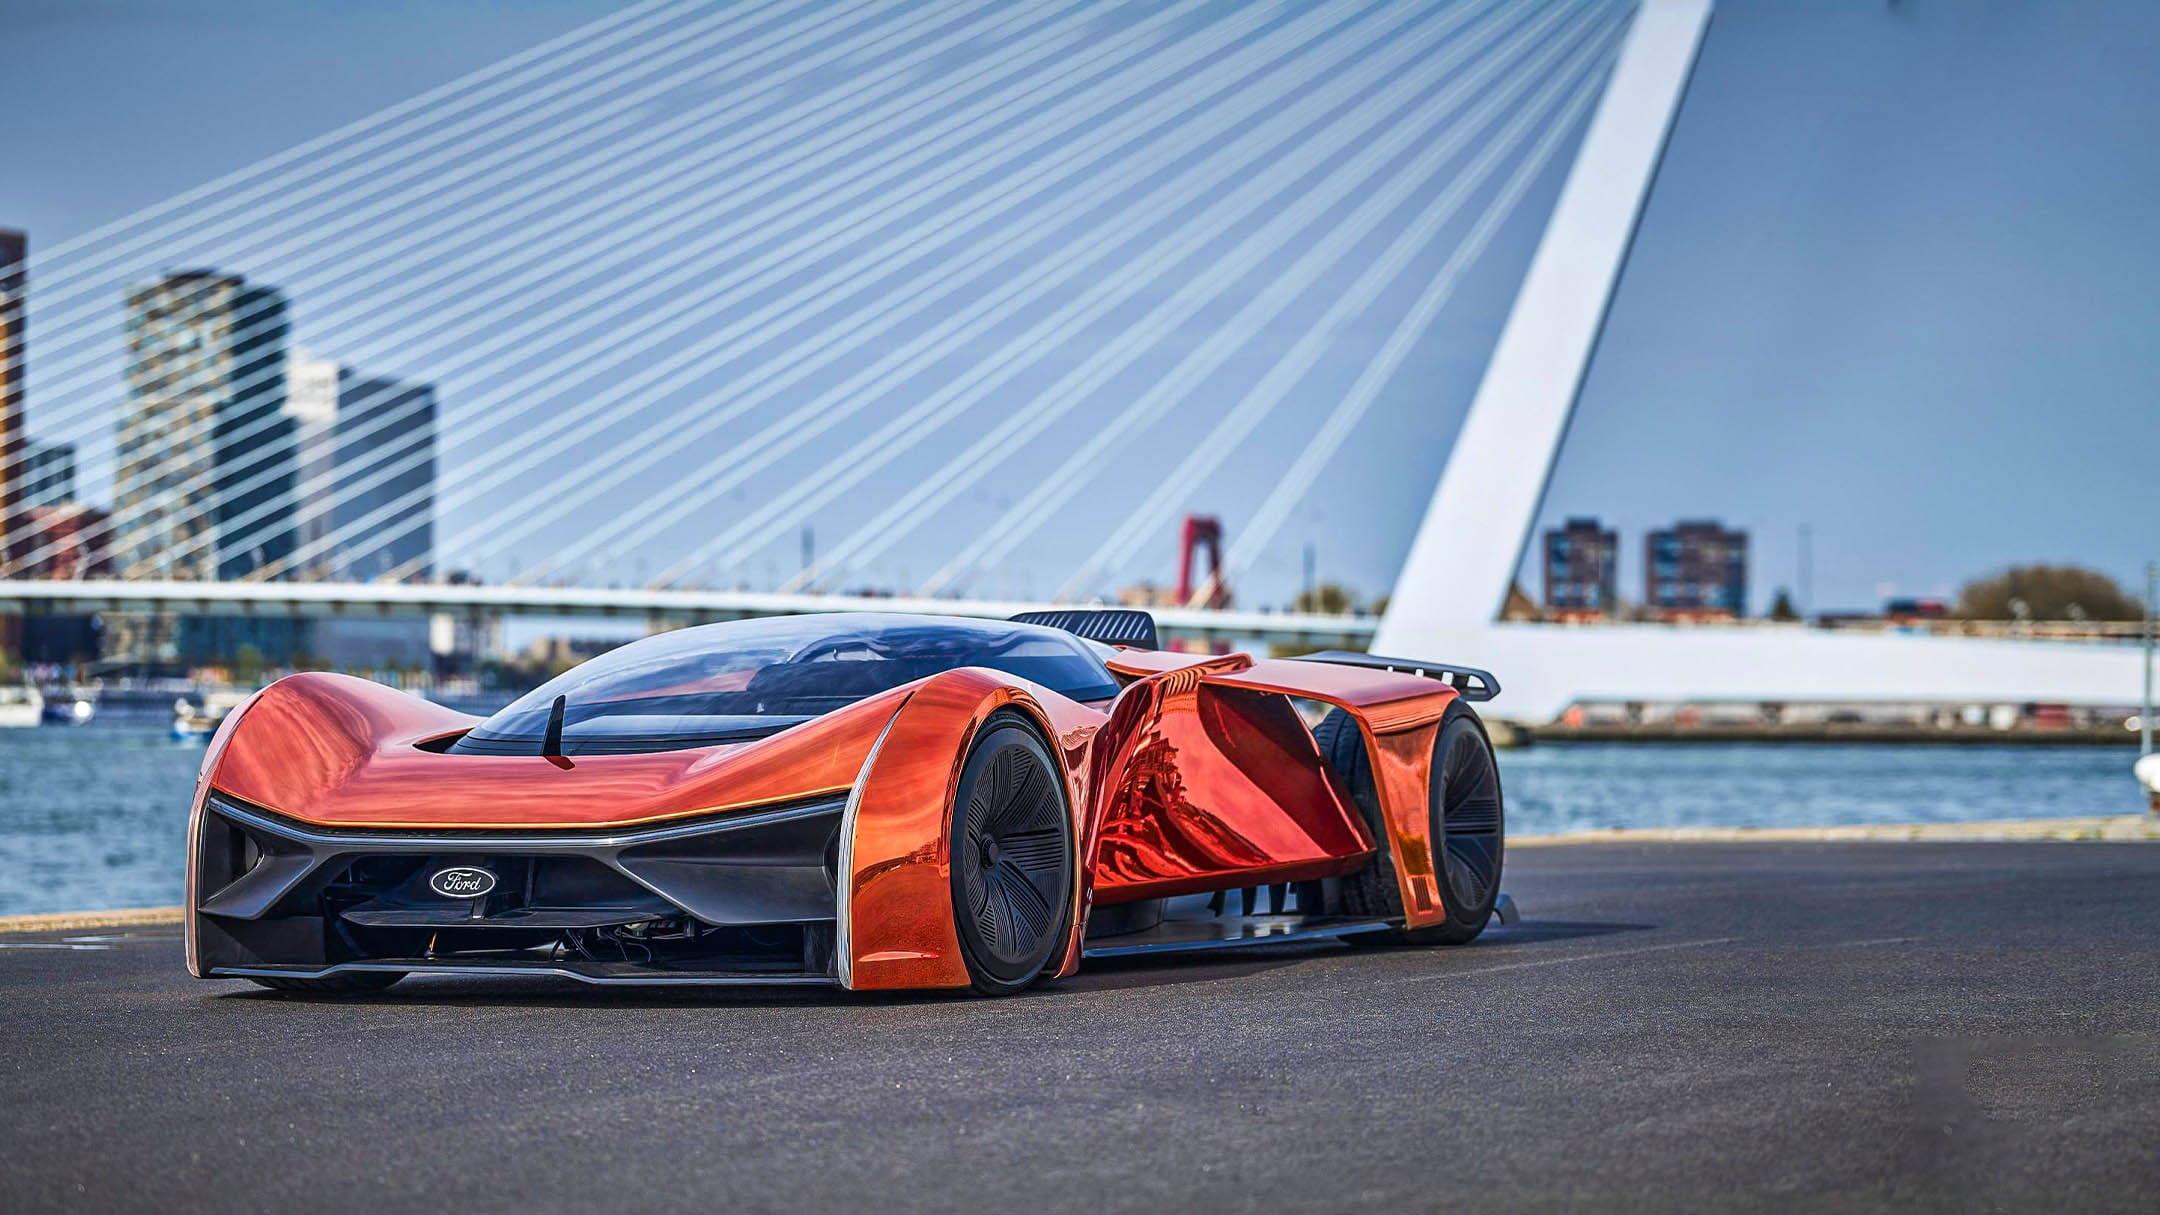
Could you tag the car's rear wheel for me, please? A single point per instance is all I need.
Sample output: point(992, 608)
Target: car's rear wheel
point(1012, 857)
point(1468, 825)
point(346, 983)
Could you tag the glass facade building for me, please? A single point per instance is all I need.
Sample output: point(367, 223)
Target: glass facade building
point(1696, 568)
point(383, 504)
point(205, 469)
point(1582, 569)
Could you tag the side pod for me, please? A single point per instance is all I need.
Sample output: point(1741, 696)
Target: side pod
point(1398, 714)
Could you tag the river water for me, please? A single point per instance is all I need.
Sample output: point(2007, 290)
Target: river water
point(95, 817)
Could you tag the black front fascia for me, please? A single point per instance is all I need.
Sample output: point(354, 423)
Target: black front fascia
point(754, 890)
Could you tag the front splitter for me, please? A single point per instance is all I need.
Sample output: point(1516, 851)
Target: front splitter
point(716, 979)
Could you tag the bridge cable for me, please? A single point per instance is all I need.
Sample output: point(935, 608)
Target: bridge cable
point(1205, 456)
point(537, 62)
point(511, 115)
point(273, 325)
point(606, 152)
point(1351, 409)
point(835, 235)
point(472, 355)
point(806, 420)
point(1376, 202)
point(842, 330)
point(469, 359)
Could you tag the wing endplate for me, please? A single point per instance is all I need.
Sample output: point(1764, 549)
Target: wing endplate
point(1473, 683)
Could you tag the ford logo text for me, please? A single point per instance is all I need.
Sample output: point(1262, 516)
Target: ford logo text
point(461, 882)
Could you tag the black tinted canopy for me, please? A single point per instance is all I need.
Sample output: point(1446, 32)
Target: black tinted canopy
point(731, 682)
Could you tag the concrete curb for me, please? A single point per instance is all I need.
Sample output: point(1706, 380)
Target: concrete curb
point(2116, 828)
point(61, 921)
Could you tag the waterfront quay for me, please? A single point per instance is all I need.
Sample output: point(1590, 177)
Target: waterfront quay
point(1887, 733)
point(1906, 1026)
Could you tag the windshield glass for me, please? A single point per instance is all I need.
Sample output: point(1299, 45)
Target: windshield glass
point(746, 679)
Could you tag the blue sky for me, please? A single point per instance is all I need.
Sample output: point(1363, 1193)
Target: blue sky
point(1895, 284)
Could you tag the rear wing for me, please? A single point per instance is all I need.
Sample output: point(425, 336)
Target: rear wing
point(1470, 682)
point(1111, 626)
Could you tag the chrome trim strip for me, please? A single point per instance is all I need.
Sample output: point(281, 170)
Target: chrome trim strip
point(190, 952)
point(713, 980)
point(199, 805)
point(843, 939)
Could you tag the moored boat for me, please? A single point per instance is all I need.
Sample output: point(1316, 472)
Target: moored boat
point(199, 718)
point(21, 705)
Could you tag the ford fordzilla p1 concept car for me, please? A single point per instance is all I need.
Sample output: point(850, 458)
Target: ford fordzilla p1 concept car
point(874, 801)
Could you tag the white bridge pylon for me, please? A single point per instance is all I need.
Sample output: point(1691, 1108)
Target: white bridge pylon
point(1463, 559)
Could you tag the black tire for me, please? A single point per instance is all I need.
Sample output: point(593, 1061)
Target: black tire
point(1012, 857)
point(1371, 892)
point(347, 983)
point(1468, 824)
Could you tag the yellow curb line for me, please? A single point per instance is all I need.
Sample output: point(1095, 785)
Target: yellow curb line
point(61, 921)
point(2127, 828)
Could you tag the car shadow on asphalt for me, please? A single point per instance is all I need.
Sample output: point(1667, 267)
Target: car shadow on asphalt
point(547, 992)
point(1097, 975)
point(1240, 961)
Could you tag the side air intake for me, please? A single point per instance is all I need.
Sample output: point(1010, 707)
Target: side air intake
point(1111, 626)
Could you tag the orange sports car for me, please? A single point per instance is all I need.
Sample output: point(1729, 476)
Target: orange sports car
point(873, 801)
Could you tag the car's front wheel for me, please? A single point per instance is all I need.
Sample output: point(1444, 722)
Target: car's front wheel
point(1012, 857)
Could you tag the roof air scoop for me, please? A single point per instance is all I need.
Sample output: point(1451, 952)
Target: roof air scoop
point(1111, 626)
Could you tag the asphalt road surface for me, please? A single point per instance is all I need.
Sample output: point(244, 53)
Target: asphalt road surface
point(1695, 1026)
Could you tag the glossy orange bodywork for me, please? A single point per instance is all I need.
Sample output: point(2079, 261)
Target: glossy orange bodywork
point(335, 751)
point(1198, 776)
point(1205, 786)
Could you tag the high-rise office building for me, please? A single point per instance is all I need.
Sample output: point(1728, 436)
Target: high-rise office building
point(1582, 567)
point(383, 513)
point(366, 490)
point(205, 472)
point(311, 401)
point(1696, 569)
point(14, 285)
point(367, 502)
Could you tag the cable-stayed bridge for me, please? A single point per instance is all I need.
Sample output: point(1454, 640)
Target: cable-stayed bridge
point(968, 283)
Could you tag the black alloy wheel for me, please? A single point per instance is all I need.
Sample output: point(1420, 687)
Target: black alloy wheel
point(1012, 857)
point(1468, 819)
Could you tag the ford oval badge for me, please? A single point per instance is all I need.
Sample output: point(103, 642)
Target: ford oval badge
point(461, 882)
